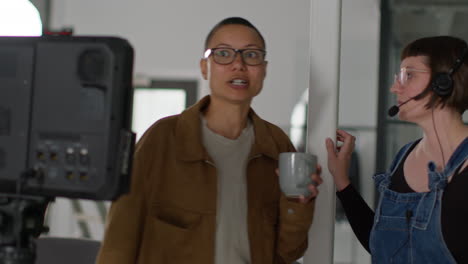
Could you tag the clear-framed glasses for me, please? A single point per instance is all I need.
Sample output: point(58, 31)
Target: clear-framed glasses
point(225, 56)
point(406, 74)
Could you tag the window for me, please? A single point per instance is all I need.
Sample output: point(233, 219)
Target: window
point(160, 99)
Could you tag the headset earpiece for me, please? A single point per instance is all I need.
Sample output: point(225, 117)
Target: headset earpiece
point(442, 84)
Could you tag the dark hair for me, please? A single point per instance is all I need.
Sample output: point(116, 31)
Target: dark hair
point(442, 52)
point(232, 21)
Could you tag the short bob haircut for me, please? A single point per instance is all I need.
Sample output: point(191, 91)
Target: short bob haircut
point(441, 53)
point(232, 21)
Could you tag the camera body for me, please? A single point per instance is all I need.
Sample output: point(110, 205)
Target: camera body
point(65, 116)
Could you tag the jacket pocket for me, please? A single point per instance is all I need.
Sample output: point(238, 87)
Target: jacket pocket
point(178, 218)
point(176, 232)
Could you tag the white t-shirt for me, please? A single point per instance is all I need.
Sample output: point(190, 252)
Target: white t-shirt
point(230, 158)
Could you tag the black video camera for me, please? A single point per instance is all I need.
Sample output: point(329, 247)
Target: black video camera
point(65, 116)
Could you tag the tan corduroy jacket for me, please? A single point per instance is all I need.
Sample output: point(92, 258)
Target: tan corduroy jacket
point(169, 216)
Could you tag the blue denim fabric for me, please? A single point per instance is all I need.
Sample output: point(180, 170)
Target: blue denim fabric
point(407, 226)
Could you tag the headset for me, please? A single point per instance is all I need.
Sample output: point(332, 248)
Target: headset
point(442, 82)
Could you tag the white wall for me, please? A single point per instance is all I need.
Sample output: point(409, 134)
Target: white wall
point(360, 36)
point(359, 81)
point(168, 37)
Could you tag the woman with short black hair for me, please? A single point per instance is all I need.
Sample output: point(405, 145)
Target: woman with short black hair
point(204, 186)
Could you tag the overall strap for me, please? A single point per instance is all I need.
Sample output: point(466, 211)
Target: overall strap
point(382, 181)
point(458, 158)
point(439, 180)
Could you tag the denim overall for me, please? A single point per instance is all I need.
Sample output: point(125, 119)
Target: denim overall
point(407, 226)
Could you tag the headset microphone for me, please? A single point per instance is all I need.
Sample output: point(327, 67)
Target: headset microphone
point(396, 108)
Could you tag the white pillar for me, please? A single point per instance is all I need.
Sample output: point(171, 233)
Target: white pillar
point(325, 31)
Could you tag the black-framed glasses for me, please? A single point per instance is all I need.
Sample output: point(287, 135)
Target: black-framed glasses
point(225, 56)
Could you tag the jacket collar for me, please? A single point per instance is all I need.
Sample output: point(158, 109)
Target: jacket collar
point(188, 135)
